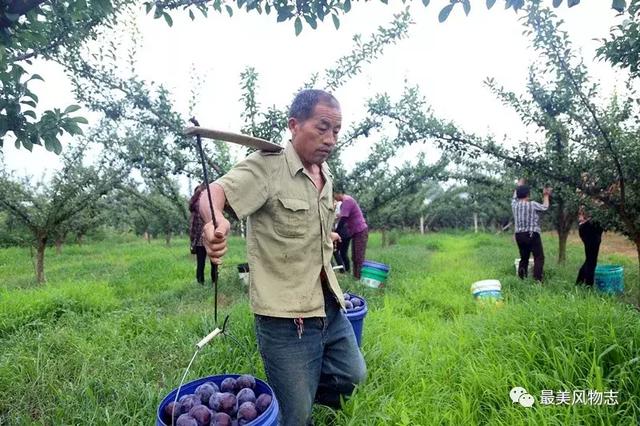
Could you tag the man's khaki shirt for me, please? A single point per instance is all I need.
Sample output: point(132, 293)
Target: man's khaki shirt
point(288, 232)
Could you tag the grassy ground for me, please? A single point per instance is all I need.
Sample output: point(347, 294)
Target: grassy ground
point(113, 329)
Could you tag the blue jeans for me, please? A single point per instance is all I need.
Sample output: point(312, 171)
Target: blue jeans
point(321, 364)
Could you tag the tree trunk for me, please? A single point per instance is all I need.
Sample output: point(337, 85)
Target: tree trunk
point(58, 244)
point(167, 238)
point(80, 238)
point(475, 223)
point(384, 237)
point(147, 237)
point(563, 235)
point(42, 245)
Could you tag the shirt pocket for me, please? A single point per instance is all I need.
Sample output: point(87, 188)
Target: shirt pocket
point(291, 217)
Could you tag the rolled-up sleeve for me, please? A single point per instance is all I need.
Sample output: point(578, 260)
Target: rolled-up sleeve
point(246, 185)
point(539, 207)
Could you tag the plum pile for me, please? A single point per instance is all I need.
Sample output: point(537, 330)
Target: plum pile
point(233, 403)
point(352, 303)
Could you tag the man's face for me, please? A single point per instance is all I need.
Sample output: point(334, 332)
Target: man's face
point(315, 138)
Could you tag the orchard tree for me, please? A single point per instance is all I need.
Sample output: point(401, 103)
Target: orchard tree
point(46, 210)
point(38, 29)
point(41, 29)
point(309, 12)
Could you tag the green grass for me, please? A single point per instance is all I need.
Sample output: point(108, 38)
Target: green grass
point(114, 327)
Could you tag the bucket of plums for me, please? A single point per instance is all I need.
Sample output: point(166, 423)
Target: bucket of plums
point(223, 400)
point(356, 311)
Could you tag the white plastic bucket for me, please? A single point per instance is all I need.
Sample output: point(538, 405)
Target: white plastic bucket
point(516, 263)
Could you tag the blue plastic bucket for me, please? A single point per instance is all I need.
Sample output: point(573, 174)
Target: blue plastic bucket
point(268, 418)
point(356, 318)
point(376, 265)
point(610, 279)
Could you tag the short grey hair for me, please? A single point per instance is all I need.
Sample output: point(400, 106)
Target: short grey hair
point(304, 102)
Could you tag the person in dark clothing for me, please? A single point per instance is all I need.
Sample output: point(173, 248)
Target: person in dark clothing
point(590, 233)
point(342, 246)
point(527, 229)
point(195, 234)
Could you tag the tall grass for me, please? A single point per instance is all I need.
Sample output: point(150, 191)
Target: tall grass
point(113, 329)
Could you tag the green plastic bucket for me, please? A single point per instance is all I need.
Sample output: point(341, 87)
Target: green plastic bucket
point(372, 277)
point(610, 279)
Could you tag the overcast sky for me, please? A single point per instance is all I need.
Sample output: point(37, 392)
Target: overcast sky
point(448, 61)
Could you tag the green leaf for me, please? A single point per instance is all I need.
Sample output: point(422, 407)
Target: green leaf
point(30, 114)
point(619, 5)
point(466, 6)
point(346, 6)
point(336, 21)
point(27, 144)
point(71, 108)
point(147, 7)
point(444, 13)
point(167, 18)
point(490, 3)
point(57, 146)
point(30, 103)
point(557, 3)
point(36, 77)
point(283, 15)
point(572, 3)
point(298, 26)
point(425, 2)
point(229, 10)
point(191, 15)
point(385, 1)
point(311, 21)
point(80, 120)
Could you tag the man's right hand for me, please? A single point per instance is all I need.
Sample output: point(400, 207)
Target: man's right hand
point(215, 240)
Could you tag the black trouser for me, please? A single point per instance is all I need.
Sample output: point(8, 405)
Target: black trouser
point(530, 242)
point(201, 256)
point(342, 253)
point(591, 236)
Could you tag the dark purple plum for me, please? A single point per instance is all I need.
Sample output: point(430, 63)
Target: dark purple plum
point(246, 395)
point(205, 390)
point(355, 301)
point(183, 397)
point(169, 411)
point(348, 305)
point(347, 296)
point(189, 402)
point(262, 402)
point(221, 419)
point(247, 412)
point(246, 381)
point(223, 402)
point(186, 420)
point(229, 385)
point(202, 414)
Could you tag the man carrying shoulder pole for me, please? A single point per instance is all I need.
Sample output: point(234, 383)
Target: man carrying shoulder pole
point(307, 344)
